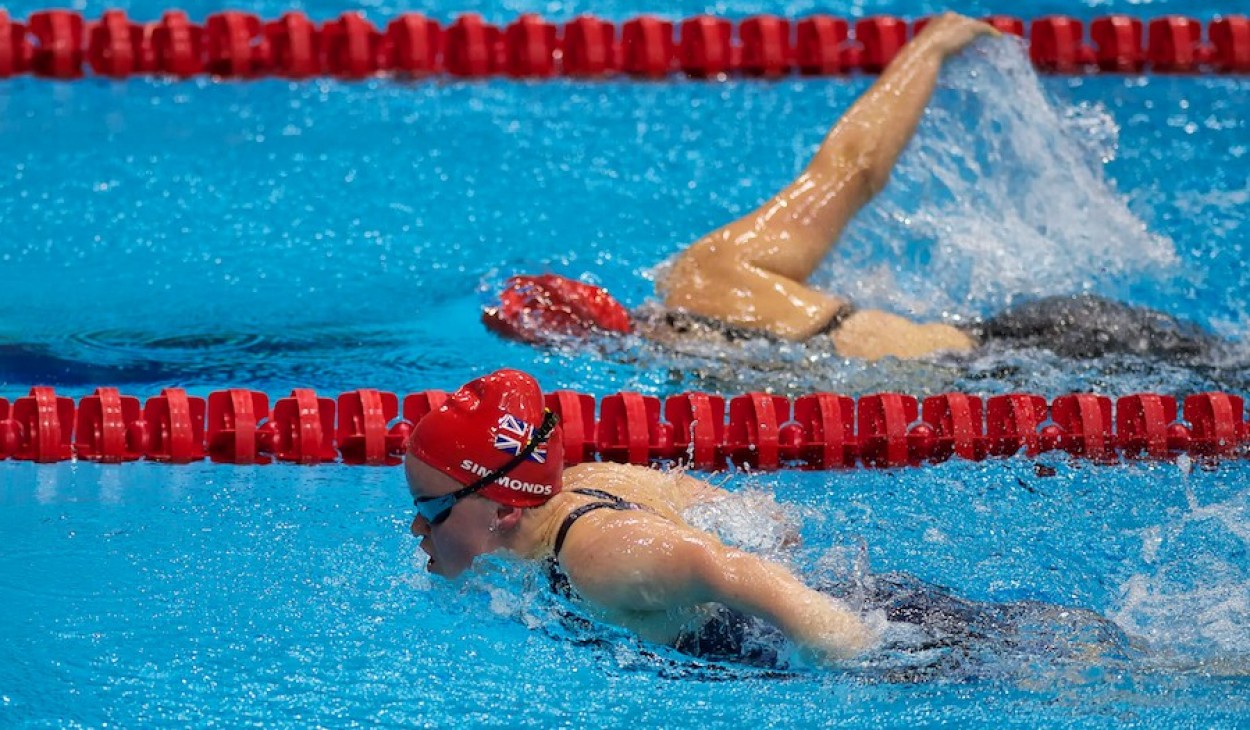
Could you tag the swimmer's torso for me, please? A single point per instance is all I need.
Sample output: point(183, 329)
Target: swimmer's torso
point(660, 496)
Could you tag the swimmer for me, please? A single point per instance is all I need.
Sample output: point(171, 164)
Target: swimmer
point(748, 278)
point(486, 474)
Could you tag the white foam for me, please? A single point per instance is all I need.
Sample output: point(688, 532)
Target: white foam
point(1196, 600)
point(1000, 194)
point(751, 519)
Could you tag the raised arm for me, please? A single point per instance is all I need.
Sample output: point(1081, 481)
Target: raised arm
point(645, 564)
point(868, 139)
point(751, 272)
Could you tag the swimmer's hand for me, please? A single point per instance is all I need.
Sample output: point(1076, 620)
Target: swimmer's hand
point(949, 33)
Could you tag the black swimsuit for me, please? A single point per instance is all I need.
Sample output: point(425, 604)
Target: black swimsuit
point(685, 322)
point(959, 638)
point(1087, 326)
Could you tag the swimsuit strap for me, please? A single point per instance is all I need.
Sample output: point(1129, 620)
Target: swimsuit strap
point(681, 321)
point(610, 501)
point(840, 316)
point(600, 494)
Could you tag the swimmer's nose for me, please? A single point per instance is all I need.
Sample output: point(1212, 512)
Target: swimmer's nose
point(420, 528)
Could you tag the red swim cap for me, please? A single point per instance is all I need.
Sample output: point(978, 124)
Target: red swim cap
point(540, 308)
point(484, 425)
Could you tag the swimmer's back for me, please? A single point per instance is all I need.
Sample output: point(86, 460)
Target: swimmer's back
point(667, 493)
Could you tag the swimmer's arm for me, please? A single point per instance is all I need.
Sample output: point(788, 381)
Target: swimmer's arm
point(765, 257)
point(649, 565)
point(876, 129)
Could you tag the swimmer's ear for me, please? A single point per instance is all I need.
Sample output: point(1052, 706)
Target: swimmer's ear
point(507, 518)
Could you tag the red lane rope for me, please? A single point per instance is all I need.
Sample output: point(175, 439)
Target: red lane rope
point(61, 44)
point(815, 431)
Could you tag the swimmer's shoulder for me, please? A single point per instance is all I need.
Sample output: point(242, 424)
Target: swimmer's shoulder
point(671, 491)
point(606, 476)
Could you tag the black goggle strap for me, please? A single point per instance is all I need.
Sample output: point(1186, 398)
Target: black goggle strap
point(550, 421)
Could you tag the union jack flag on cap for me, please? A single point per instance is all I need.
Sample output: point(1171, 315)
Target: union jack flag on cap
point(513, 434)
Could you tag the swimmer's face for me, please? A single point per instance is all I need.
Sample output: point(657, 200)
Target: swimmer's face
point(465, 534)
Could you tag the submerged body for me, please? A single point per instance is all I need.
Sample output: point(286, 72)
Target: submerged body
point(749, 278)
point(751, 274)
point(618, 540)
point(1080, 326)
point(646, 569)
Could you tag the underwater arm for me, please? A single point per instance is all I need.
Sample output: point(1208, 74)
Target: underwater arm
point(824, 629)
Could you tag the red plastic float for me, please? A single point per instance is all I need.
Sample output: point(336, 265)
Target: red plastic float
point(819, 43)
point(108, 428)
point(175, 427)
point(958, 425)
point(1085, 425)
point(362, 435)
point(629, 429)
point(295, 46)
point(1230, 39)
point(10, 432)
point(413, 44)
point(44, 425)
point(178, 45)
point(766, 47)
point(1217, 421)
point(1118, 42)
point(884, 419)
point(647, 47)
point(753, 437)
point(15, 50)
point(823, 433)
point(577, 421)
point(59, 52)
point(705, 47)
point(1006, 24)
point(472, 47)
point(881, 37)
point(303, 428)
point(416, 405)
point(119, 48)
point(1012, 423)
point(531, 47)
point(698, 423)
point(589, 47)
point(1056, 43)
point(353, 47)
point(235, 46)
point(1142, 422)
point(1175, 45)
point(234, 417)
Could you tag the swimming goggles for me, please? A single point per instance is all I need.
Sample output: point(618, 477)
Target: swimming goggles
point(436, 510)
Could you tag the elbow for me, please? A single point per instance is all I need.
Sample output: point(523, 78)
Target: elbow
point(872, 173)
point(876, 177)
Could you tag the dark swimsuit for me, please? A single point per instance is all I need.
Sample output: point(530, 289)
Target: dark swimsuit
point(1082, 326)
point(685, 322)
point(1086, 326)
point(960, 636)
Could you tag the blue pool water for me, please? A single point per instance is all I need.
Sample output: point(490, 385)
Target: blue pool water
point(275, 235)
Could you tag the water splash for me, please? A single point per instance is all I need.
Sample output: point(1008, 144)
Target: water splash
point(1192, 603)
point(1000, 195)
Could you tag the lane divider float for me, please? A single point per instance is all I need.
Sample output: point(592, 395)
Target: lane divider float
point(706, 431)
point(61, 44)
